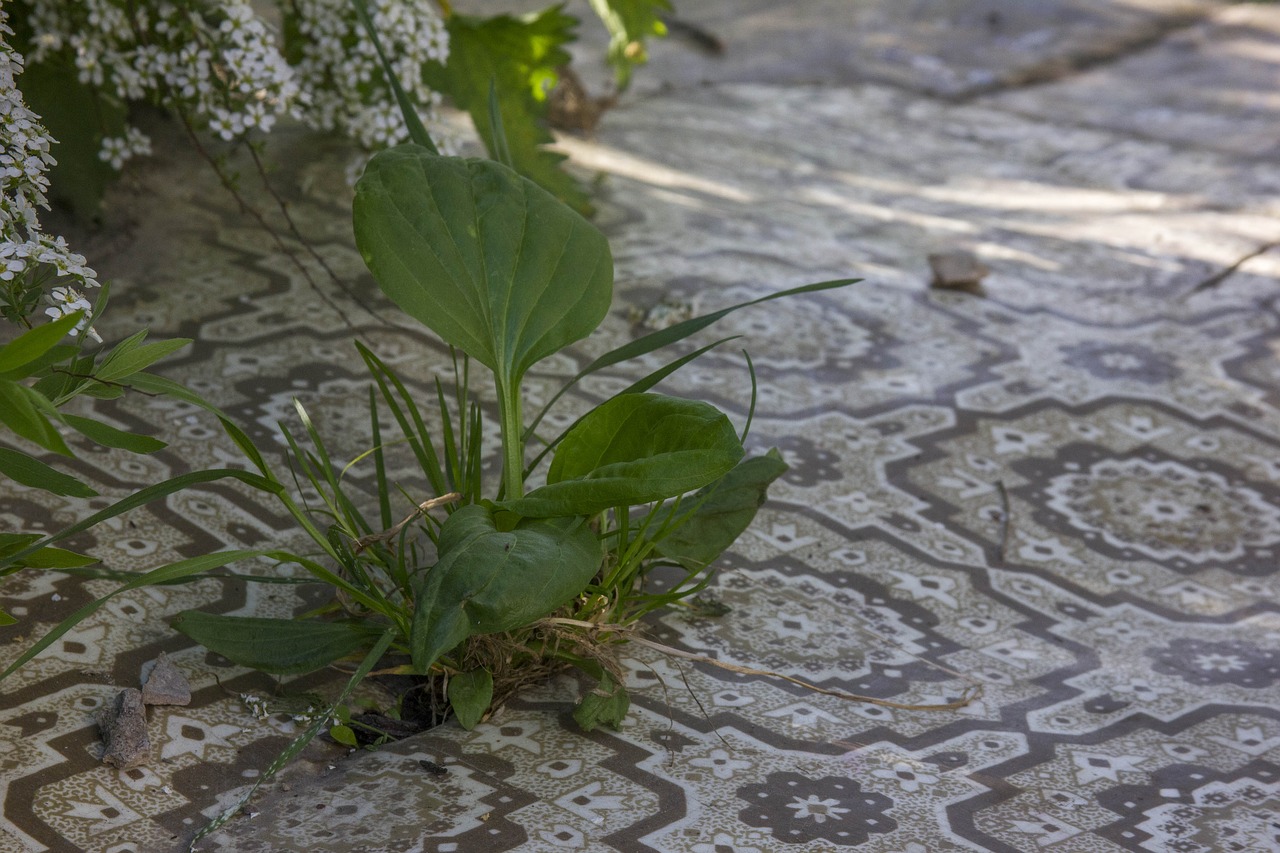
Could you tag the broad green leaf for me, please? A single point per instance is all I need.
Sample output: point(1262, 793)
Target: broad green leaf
point(723, 510)
point(23, 469)
point(518, 58)
point(469, 695)
point(629, 23)
point(109, 436)
point(488, 580)
point(639, 386)
point(33, 344)
point(164, 574)
point(344, 735)
point(631, 450)
point(121, 362)
point(607, 703)
point(487, 259)
point(6, 619)
point(277, 646)
point(23, 411)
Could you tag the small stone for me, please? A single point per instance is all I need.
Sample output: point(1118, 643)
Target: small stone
point(166, 685)
point(123, 723)
point(958, 270)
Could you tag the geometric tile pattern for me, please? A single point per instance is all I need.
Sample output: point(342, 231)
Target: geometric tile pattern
point(1067, 491)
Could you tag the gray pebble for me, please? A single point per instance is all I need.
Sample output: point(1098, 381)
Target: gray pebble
point(123, 723)
point(166, 685)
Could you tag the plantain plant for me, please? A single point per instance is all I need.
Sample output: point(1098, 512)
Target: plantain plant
point(484, 586)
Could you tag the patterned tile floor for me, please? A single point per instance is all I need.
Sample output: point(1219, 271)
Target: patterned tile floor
point(1066, 490)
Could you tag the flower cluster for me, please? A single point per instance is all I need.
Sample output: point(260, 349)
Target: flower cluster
point(340, 72)
point(29, 258)
point(218, 63)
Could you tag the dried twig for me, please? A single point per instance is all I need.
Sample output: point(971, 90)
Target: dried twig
point(392, 532)
point(971, 693)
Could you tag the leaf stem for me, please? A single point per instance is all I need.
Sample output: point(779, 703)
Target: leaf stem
point(511, 419)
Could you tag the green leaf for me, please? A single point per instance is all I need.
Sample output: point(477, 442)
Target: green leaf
point(629, 23)
point(631, 450)
point(57, 558)
point(109, 436)
point(487, 259)
point(343, 735)
point(63, 103)
point(21, 468)
point(518, 57)
point(58, 355)
point(470, 694)
point(488, 580)
point(277, 646)
point(31, 345)
point(22, 410)
point(11, 543)
point(640, 385)
point(126, 361)
point(724, 510)
point(164, 574)
point(6, 619)
point(607, 703)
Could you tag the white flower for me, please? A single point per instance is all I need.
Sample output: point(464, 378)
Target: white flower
point(28, 256)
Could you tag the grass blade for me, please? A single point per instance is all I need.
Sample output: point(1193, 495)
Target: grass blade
point(164, 574)
point(680, 331)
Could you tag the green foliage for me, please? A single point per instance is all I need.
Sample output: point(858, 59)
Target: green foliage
point(629, 23)
point(489, 580)
point(634, 449)
point(606, 704)
point(39, 374)
point(722, 512)
point(470, 694)
point(518, 57)
point(277, 646)
point(476, 583)
point(490, 261)
point(484, 257)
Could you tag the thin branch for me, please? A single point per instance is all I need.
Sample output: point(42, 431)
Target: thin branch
point(316, 256)
point(970, 695)
point(245, 207)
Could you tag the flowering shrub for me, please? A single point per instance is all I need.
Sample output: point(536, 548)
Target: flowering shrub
point(232, 68)
point(31, 260)
point(219, 65)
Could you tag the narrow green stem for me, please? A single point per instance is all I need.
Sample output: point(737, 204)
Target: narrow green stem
point(509, 412)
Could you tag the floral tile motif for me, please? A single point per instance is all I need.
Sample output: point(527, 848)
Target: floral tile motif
point(1066, 491)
